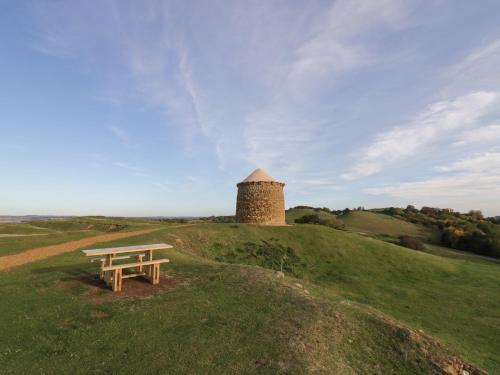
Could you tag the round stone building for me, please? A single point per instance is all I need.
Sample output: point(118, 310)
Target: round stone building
point(260, 200)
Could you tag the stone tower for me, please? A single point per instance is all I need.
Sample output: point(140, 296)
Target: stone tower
point(260, 200)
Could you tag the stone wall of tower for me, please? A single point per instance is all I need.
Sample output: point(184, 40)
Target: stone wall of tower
point(260, 203)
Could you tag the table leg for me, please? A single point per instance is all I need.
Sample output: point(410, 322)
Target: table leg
point(117, 280)
point(103, 264)
point(156, 274)
point(107, 274)
point(149, 269)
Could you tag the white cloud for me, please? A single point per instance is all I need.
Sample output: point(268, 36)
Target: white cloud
point(436, 122)
point(476, 71)
point(288, 133)
point(460, 185)
point(277, 63)
point(336, 45)
point(486, 162)
point(482, 135)
point(474, 185)
point(270, 58)
point(464, 191)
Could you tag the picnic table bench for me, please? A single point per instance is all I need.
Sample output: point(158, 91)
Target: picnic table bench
point(144, 264)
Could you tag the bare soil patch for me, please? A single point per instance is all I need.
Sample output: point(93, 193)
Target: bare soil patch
point(443, 361)
point(136, 287)
point(14, 260)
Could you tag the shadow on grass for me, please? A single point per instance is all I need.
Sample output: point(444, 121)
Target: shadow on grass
point(86, 283)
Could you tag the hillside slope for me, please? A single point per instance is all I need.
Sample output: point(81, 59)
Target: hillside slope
point(454, 300)
point(212, 316)
point(204, 318)
point(383, 226)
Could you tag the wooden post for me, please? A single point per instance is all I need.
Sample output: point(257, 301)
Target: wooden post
point(103, 264)
point(107, 274)
point(149, 257)
point(117, 280)
point(155, 279)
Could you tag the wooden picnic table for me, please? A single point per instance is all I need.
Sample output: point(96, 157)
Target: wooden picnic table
point(144, 264)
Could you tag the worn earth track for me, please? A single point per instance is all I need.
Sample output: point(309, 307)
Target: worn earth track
point(38, 253)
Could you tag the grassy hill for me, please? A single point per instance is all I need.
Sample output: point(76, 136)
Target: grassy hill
point(341, 308)
point(384, 227)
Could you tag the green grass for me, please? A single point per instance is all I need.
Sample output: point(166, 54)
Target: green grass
point(224, 317)
point(218, 319)
point(384, 227)
point(454, 300)
point(22, 228)
point(12, 245)
point(53, 232)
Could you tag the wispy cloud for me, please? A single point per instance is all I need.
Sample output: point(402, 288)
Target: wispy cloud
point(484, 162)
point(483, 135)
point(478, 70)
point(293, 117)
point(121, 134)
point(434, 124)
point(337, 45)
point(469, 183)
point(485, 186)
point(267, 87)
point(260, 84)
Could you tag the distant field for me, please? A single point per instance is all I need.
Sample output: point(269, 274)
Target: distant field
point(52, 232)
point(221, 313)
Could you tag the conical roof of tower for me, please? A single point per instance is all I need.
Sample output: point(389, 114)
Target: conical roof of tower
point(259, 175)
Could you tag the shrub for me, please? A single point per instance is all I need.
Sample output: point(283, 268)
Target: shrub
point(411, 243)
point(308, 219)
point(333, 223)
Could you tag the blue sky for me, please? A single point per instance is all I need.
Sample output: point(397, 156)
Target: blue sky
point(160, 108)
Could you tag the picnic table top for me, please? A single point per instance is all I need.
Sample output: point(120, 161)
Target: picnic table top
point(125, 249)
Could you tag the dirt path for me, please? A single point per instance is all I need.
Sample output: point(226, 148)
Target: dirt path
point(38, 253)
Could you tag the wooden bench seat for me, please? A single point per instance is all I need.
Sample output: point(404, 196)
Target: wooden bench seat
point(133, 265)
point(116, 272)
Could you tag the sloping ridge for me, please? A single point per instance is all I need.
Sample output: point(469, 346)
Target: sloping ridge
point(363, 269)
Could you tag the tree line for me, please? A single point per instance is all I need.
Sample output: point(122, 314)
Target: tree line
point(469, 231)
